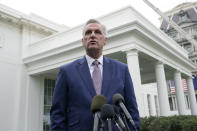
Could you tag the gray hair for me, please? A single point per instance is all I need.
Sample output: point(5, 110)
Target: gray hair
point(95, 21)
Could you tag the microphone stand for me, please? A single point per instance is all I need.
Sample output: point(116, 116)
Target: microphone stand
point(101, 125)
point(96, 122)
point(131, 121)
point(109, 124)
point(124, 120)
point(116, 124)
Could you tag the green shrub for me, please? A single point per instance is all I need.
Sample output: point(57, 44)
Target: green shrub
point(145, 122)
point(171, 123)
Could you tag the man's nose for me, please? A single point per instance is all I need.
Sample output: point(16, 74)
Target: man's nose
point(92, 34)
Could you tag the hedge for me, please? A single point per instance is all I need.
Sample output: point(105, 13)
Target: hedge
point(171, 123)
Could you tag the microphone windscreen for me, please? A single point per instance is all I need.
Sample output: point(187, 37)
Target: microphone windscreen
point(97, 102)
point(117, 98)
point(107, 111)
point(116, 110)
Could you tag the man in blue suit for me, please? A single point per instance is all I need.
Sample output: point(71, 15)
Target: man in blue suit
point(75, 85)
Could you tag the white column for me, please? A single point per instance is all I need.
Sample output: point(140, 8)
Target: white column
point(34, 118)
point(151, 106)
point(179, 93)
point(134, 69)
point(21, 98)
point(162, 89)
point(191, 95)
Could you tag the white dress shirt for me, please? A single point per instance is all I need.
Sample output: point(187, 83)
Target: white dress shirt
point(90, 60)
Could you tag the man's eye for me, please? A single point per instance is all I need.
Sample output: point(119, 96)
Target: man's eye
point(98, 32)
point(88, 32)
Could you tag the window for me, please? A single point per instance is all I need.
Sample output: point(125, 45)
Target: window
point(188, 47)
point(149, 104)
point(172, 103)
point(173, 35)
point(187, 102)
point(156, 105)
point(48, 94)
point(183, 16)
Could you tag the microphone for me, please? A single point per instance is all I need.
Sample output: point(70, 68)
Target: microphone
point(119, 101)
point(97, 102)
point(107, 113)
point(118, 118)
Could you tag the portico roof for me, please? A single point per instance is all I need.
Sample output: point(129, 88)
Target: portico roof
point(127, 30)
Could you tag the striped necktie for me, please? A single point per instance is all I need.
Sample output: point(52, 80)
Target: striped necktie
point(96, 77)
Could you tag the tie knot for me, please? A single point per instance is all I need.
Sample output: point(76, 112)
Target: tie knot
point(96, 63)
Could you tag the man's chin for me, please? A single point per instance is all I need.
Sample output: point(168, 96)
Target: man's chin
point(93, 46)
point(93, 49)
point(93, 52)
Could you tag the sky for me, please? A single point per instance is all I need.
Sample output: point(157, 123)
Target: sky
point(75, 12)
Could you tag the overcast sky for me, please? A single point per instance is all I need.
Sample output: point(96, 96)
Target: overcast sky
point(74, 12)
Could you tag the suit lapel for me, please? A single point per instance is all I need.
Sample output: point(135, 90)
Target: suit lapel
point(107, 71)
point(85, 75)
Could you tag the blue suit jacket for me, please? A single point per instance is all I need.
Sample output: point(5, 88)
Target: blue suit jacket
point(74, 91)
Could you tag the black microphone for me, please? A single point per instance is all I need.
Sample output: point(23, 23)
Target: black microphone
point(97, 102)
point(119, 101)
point(124, 120)
point(107, 113)
point(118, 118)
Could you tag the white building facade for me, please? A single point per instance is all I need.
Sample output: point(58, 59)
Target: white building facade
point(32, 49)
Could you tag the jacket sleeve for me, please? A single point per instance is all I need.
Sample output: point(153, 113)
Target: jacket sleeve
point(130, 100)
point(59, 103)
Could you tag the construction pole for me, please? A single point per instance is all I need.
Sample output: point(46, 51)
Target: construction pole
point(187, 36)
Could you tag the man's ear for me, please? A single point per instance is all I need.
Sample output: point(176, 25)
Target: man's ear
point(82, 41)
point(105, 40)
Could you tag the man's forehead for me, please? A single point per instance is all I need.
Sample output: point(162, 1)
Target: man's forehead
point(93, 26)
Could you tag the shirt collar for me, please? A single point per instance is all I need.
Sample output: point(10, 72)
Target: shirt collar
point(90, 60)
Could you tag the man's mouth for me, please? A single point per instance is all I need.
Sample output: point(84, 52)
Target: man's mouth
point(92, 42)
